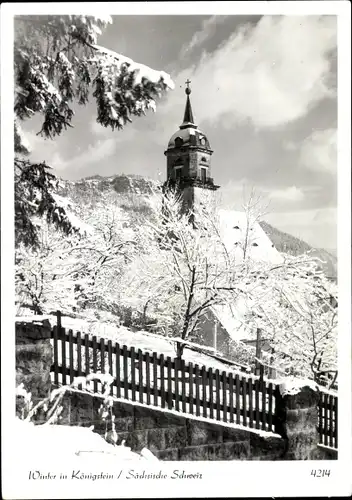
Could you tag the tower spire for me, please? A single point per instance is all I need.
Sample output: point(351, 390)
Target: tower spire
point(188, 120)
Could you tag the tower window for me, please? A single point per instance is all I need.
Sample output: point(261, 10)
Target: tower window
point(204, 159)
point(203, 174)
point(178, 142)
point(178, 173)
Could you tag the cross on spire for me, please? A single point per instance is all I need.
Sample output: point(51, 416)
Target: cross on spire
point(188, 120)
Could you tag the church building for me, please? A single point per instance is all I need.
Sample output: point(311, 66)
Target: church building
point(188, 156)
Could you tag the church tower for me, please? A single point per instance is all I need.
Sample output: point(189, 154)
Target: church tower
point(188, 157)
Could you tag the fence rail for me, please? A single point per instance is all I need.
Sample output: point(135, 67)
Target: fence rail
point(174, 384)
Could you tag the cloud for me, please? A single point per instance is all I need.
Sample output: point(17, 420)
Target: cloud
point(126, 134)
point(40, 148)
point(269, 74)
point(98, 129)
point(289, 145)
point(288, 194)
point(46, 150)
point(319, 151)
point(207, 31)
point(101, 150)
point(50, 152)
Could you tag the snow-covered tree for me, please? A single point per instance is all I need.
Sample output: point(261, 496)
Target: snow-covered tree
point(184, 270)
point(58, 63)
point(293, 305)
point(48, 275)
point(76, 273)
point(109, 248)
point(254, 208)
point(34, 196)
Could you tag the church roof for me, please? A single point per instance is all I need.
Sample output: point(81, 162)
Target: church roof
point(188, 120)
point(188, 133)
point(233, 228)
point(189, 137)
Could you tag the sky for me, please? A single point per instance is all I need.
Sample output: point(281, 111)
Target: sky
point(264, 92)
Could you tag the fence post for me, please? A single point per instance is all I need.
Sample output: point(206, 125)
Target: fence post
point(296, 419)
point(272, 371)
point(261, 373)
point(34, 357)
point(58, 321)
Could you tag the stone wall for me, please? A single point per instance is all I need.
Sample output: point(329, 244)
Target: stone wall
point(170, 436)
point(173, 437)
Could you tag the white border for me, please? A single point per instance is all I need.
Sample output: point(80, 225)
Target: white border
point(220, 478)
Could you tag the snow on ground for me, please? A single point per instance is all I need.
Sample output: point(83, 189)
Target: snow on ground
point(293, 386)
point(140, 340)
point(81, 226)
point(77, 444)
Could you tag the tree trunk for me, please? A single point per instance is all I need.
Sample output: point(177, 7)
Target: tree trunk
point(179, 350)
point(187, 316)
point(144, 317)
point(258, 351)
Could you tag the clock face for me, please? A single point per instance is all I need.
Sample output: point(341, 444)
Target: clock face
point(202, 141)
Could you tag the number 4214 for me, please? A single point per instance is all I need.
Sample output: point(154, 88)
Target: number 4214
point(320, 473)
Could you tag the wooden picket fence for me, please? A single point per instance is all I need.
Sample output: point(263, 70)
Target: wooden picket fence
point(164, 382)
point(327, 423)
point(170, 383)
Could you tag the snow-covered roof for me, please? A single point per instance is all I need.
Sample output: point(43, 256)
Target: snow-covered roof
point(186, 134)
point(232, 317)
point(234, 225)
point(235, 229)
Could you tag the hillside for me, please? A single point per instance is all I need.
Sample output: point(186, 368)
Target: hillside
point(132, 190)
point(287, 243)
point(91, 188)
